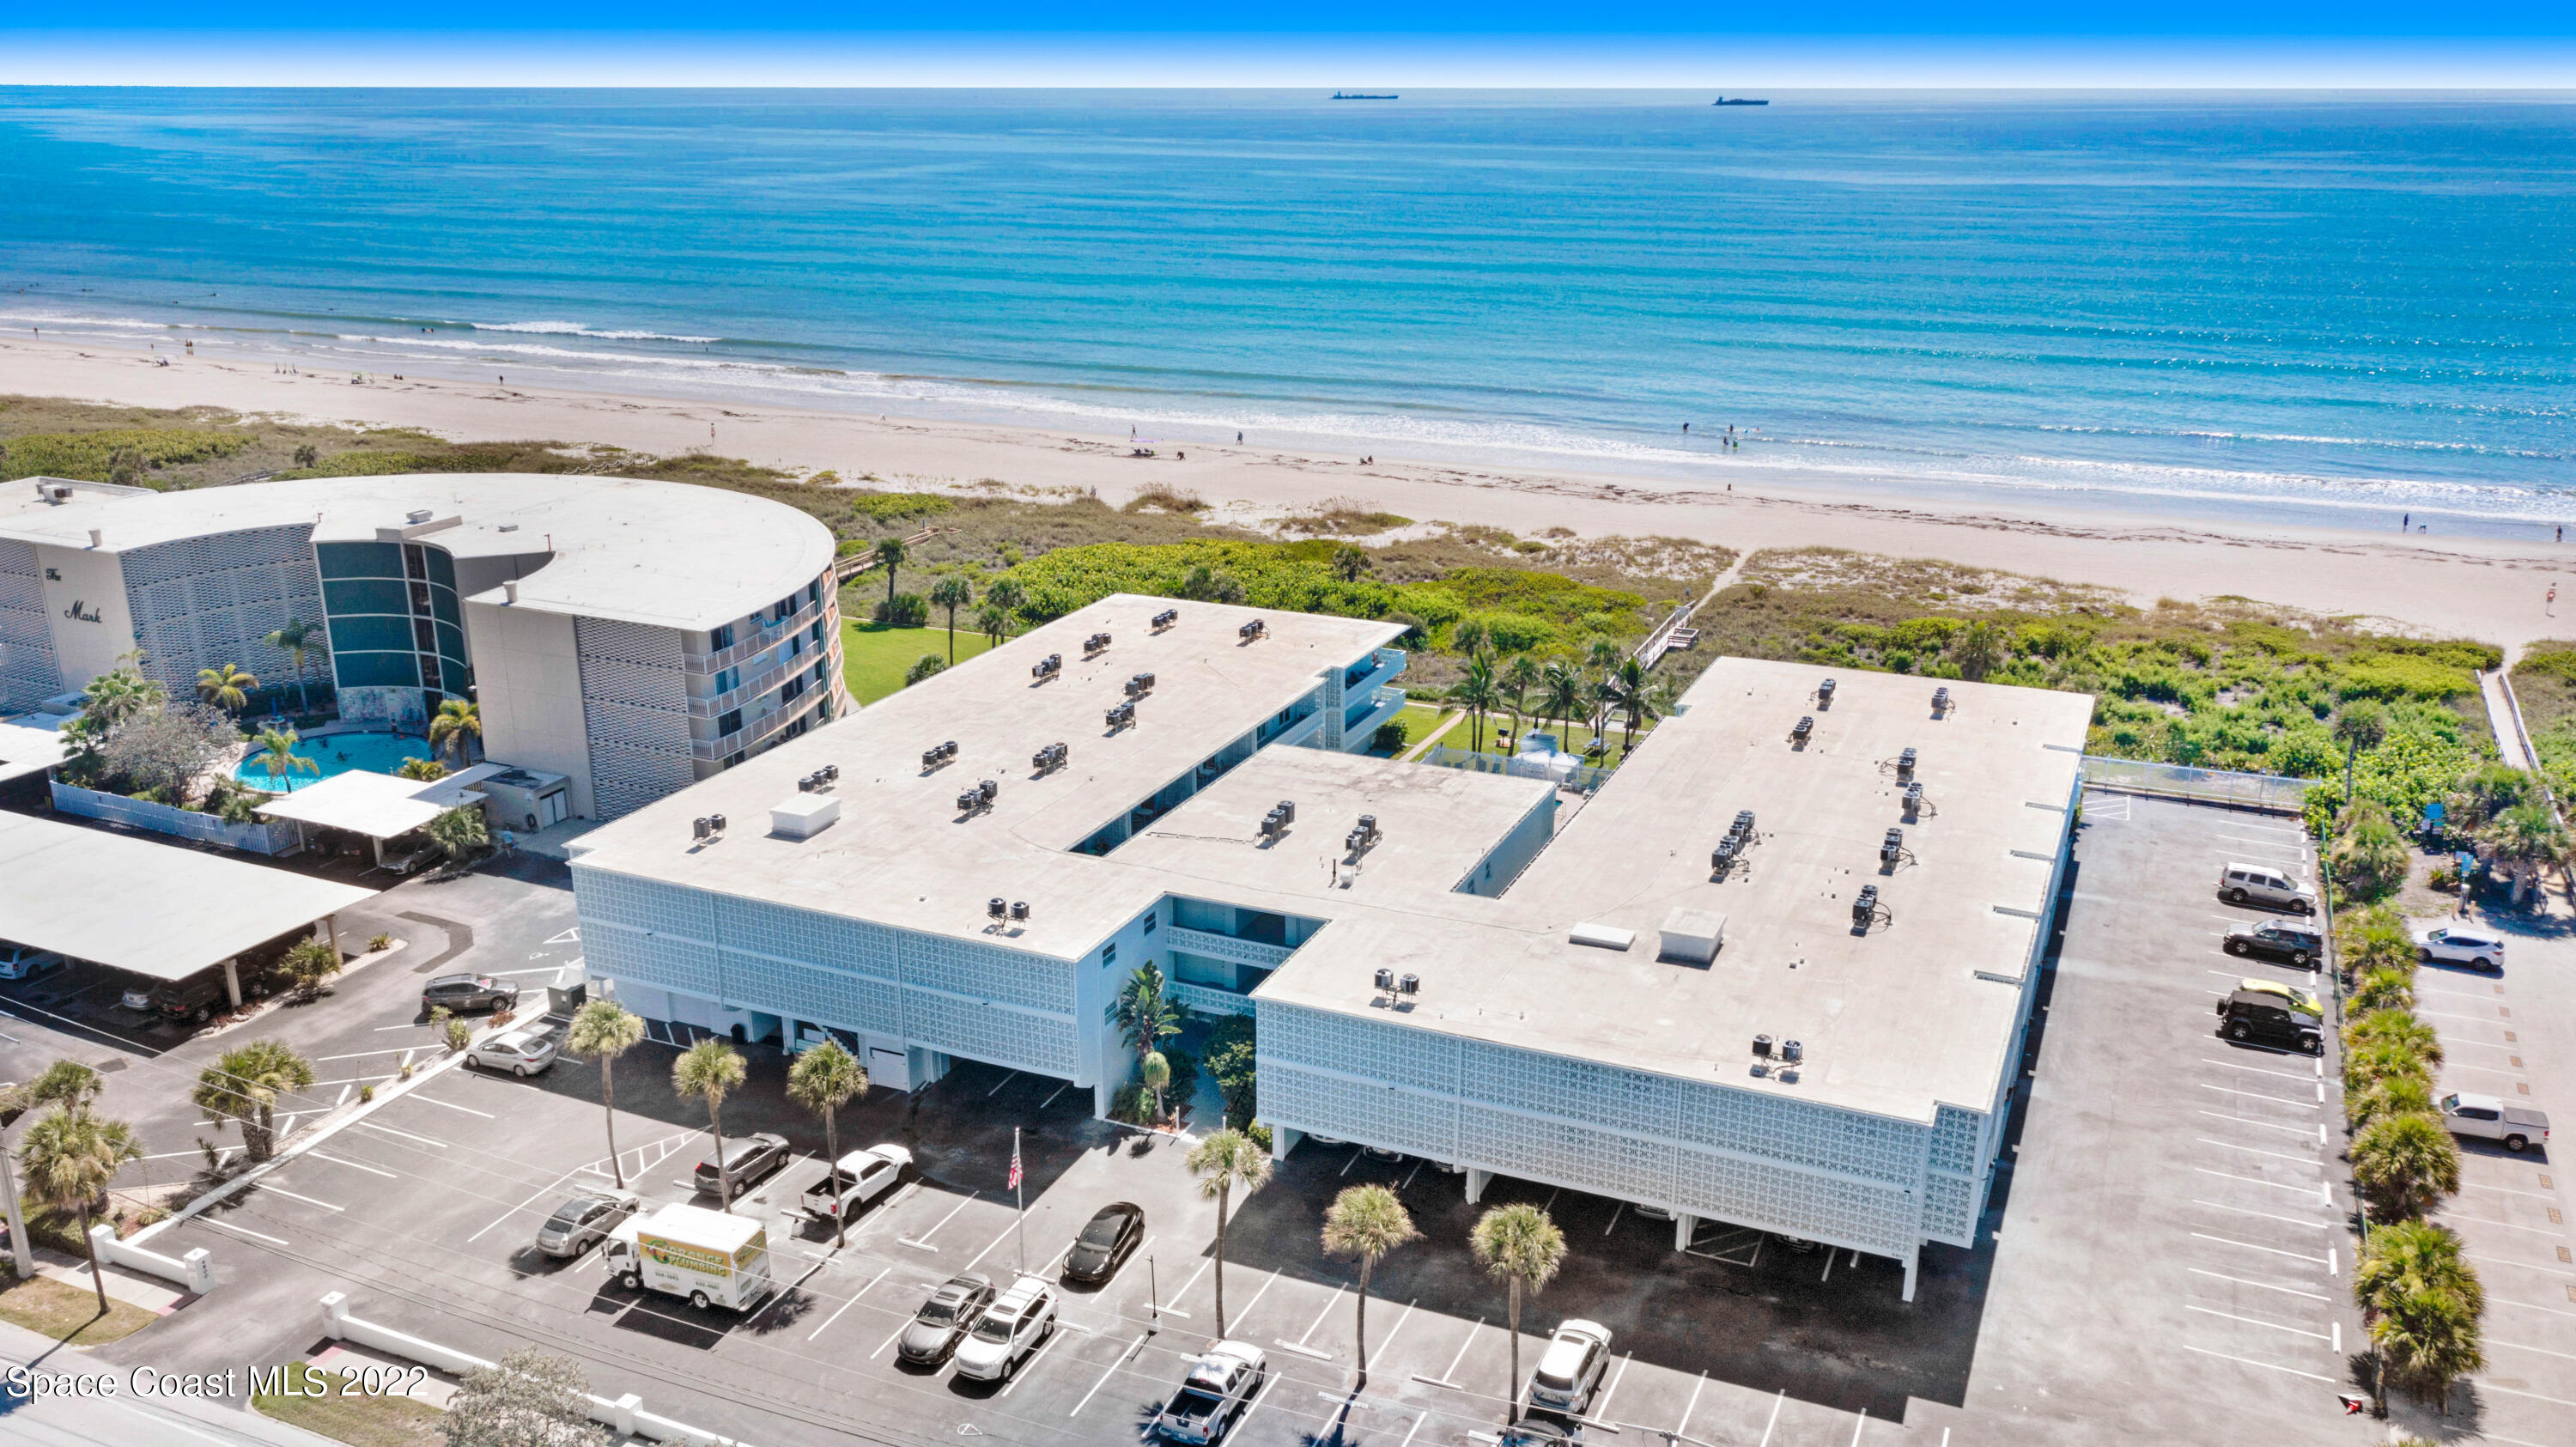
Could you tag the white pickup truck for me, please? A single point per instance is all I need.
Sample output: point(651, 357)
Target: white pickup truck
point(861, 1177)
point(2517, 1127)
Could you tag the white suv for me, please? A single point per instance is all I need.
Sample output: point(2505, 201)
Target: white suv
point(1570, 1368)
point(2453, 944)
point(1010, 1329)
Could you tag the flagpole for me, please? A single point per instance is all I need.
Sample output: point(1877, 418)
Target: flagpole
point(1021, 1193)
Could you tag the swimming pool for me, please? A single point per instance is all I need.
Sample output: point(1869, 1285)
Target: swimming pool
point(337, 754)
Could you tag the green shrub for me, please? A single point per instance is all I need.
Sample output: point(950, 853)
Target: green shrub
point(923, 667)
point(896, 507)
point(904, 610)
point(96, 456)
point(1390, 737)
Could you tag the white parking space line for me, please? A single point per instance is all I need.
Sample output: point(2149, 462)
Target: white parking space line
point(469, 1110)
point(1106, 1375)
point(2524, 1347)
point(1266, 1388)
point(2519, 1265)
point(277, 1190)
point(550, 1186)
point(2259, 1181)
point(363, 1054)
point(2257, 1069)
point(923, 1240)
point(2266, 1215)
point(1329, 1303)
point(2261, 1285)
point(406, 1025)
point(2249, 1361)
point(2487, 1386)
point(1450, 1377)
point(853, 1301)
point(2254, 1151)
point(1353, 1161)
point(2258, 1095)
point(2296, 1130)
point(1775, 1416)
point(1035, 1357)
point(896, 1336)
point(1059, 1090)
point(988, 1095)
point(1165, 1306)
point(2267, 1250)
point(1602, 1411)
point(2256, 1321)
point(1690, 1406)
point(1007, 1233)
point(254, 1235)
point(345, 1088)
point(1246, 1309)
point(1388, 1341)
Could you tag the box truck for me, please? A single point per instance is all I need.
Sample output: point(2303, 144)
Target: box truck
point(712, 1258)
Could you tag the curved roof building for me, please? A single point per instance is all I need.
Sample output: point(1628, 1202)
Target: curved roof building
point(633, 636)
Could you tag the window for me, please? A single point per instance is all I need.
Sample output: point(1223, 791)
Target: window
point(2477, 1112)
point(1149, 924)
point(782, 610)
point(730, 723)
point(1108, 954)
point(721, 639)
point(728, 679)
point(791, 690)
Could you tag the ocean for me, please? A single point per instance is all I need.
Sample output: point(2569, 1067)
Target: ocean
point(2309, 309)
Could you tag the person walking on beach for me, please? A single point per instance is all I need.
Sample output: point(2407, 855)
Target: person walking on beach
point(2562, 532)
point(2404, 521)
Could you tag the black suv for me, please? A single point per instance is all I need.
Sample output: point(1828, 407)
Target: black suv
point(2258, 1017)
point(2296, 941)
point(460, 993)
point(747, 1159)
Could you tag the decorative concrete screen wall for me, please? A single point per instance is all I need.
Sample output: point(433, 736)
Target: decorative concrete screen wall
point(1005, 1007)
point(29, 671)
point(201, 602)
point(635, 701)
point(1733, 1155)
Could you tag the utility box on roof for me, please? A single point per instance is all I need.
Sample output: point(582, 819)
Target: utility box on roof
point(804, 816)
point(1693, 935)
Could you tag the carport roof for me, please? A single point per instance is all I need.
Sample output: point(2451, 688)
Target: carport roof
point(150, 908)
point(379, 806)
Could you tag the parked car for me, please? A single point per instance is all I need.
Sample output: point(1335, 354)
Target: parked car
point(21, 962)
point(584, 1219)
point(748, 1160)
point(1541, 1430)
point(2265, 885)
point(2455, 944)
point(1010, 1329)
point(1570, 1368)
point(2518, 1127)
point(2294, 940)
point(1104, 1243)
point(458, 994)
point(194, 999)
point(2260, 1017)
point(861, 1177)
point(945, 1318)
point(2300, 1000)
point(1219, 1387)
point(523, 1052)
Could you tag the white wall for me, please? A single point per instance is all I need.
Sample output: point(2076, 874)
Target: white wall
point(527, 676)
point(96, 581)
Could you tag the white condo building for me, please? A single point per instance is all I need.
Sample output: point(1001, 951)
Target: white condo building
point(1504, 978)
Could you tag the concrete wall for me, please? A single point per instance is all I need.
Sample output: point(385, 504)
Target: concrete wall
point(1512, 853)
point(527, 675)
point(96, 581)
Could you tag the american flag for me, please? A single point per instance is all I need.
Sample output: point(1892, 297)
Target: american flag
point(1015, 1163)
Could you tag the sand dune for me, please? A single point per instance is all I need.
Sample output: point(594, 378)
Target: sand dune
point(2481, 588)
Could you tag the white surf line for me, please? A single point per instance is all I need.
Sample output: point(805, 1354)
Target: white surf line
point(242, 1230)
point(353, 1165)
point(853, 1301)
point(1105, 1376)
point(469, 1110)
point(275, 1189)
point(923, 1241)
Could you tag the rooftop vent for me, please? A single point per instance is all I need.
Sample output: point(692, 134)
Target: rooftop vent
point(1825, 694)
point(938, 754)
point(1139, 685)
point(1602, 936)
point(1252, 630)
point(1693, 935)
point(1865, 907)
point(1892, 848)
point(418, 515)
point(1050, 757)
point(1121, 715)
point(510, 590)
point(1047, 667)
point(804, 816)
point(1940, 700)
point(1905, 762)
point(1095, 644)
point(1805, 725)
point(1166, 619)
point(97, 537)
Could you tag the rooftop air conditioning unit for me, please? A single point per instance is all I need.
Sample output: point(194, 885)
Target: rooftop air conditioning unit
point(1825, 694)
point(988, 791)
point(1865, 907)
point(1914, 798)
point(1020, 910)
point(1140, 685)
point(1047, 667)
point(703, 829)
point(418, 515)
point(1166, 619)
point(804, 816)
point(1363, 834)
point(1940, 700)
point(1905, 761)
point(1409, 985)
point(1252, 630)
point(1762, 1046)
point(1792, 1051)
point(1121, 715)
point(1287, 811)
point(1050, 757)
point(1891, 848)
point(1274, 824)
point(997, 908)
point(1096, 643)
point(1806, 725)
point(1386, 981)
point(1723, 857)
point(1743, 827)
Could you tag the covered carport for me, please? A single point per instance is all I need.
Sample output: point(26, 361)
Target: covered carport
point(151, 909)
point(377, 807)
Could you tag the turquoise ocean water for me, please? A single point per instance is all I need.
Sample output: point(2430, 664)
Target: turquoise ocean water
point(2309, 309)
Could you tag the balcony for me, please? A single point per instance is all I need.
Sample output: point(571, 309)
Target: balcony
point(758, 731)
point(1208, 1000)
point(1226, 947)
point(1302, 733)
point(756, 640)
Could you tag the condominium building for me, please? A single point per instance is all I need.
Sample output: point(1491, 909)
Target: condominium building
point(1812, 1029)
point(634, 636)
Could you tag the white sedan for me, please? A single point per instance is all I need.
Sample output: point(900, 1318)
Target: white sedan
point(2479, 949)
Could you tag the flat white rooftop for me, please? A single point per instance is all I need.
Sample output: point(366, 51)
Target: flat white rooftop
point(77, 891)
point(666, 553)
point(380, 806)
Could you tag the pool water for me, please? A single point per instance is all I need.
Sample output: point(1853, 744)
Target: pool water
point(337, 754)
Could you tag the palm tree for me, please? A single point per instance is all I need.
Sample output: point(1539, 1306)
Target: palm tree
point(458, 719)
point(1977, 648)
point(1562, 693)
point(460, 833)
point(2421, 1301)
point(890, 553)
point(822, 1080)
point(1366, 1222)
point(2361, 725)
point(1144, 1012)
point(1519, 1245)
point(2392, 1095)
point(2384, 989)
point(2430, 1339)
point(298, 640)
point(606, 1029)
point(1630, 693)
point(66, 1083)
point(1156, 1073)
point(71, 1156)
point(952, 593)
point(1222, 1162)
point(2379, 1060)
point(119, 695)
point(2406, 1163)
point(2523, 838)
point(1479, 694)
point(1520, 677)
point(2397, 1027)
point(243, 1085)
point(275, 751)
point(1469, 636)
point(425, 770)
point(225, 686)
point(710, 1070)
point(993, 621)
point(1007, 594)
point(2373, 938)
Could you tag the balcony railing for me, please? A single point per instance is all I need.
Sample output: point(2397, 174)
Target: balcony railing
point(1302, 731)
point(1227, 947)
point(1208, 1000)
point(759, 640)
point(753, 734)
point(758, 684)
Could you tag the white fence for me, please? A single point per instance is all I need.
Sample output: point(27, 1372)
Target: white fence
point(265, 837)
point(2274, 793)
point(195, 1271)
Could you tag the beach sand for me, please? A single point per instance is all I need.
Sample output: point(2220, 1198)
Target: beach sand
point(2479, 588)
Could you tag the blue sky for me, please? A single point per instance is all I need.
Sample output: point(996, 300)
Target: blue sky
point(2289, 43)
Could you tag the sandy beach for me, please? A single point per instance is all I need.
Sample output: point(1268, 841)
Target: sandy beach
point(2482, 588)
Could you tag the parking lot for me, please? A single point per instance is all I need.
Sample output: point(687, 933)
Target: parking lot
point(2166, 1257)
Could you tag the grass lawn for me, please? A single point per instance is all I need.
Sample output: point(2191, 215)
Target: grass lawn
point(1418, 721)
point(874, 656)
point(68, 1313)
point(361, 1421)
